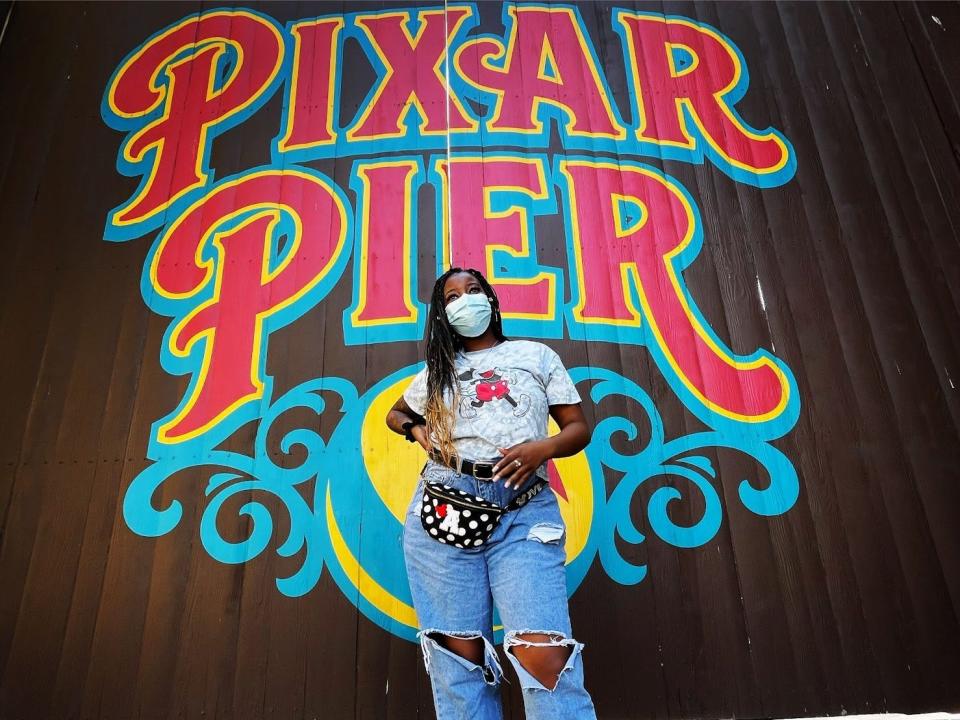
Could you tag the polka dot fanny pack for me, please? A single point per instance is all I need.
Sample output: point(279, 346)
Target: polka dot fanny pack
point(454, 517)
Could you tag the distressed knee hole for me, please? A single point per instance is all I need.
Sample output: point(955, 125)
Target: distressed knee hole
point(470, 650)
point(547, 533)
point(541, 657)
point(469, 647)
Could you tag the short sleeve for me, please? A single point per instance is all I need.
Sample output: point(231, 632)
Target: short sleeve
point(559, 386)
point(416, 393)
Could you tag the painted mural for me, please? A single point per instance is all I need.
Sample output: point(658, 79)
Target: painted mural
point(231, 259)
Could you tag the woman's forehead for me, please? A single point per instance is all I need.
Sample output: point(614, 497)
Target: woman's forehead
point(459, 281)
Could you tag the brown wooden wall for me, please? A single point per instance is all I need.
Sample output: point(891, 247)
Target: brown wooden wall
point(848, 602)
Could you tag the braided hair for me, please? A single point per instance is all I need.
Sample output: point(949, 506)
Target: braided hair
point(442, 343)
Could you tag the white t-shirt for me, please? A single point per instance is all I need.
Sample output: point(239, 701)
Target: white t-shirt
point(505, 393)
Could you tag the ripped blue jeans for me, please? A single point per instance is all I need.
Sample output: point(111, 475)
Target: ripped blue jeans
point(520, 570)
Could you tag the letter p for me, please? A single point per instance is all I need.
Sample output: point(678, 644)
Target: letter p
point(174, 93)
point(224, 253)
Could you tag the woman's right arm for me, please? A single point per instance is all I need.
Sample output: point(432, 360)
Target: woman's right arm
point(401, 413)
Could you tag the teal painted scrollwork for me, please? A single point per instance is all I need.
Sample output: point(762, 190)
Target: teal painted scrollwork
point(252, 474)
point(661, 460)
point(318, 483)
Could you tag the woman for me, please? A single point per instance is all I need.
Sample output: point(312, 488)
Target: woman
point(479, 409)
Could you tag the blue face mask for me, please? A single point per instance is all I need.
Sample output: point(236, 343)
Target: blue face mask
point(470, 314)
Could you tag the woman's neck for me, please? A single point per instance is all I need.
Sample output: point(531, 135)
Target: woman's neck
point(481, 342)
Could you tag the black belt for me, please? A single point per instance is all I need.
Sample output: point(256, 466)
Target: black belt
point(479, 470)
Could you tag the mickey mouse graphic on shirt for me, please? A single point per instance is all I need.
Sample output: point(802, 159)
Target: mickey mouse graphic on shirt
point(480, 388)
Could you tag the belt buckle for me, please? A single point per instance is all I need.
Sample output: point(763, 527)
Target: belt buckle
point(483, 470)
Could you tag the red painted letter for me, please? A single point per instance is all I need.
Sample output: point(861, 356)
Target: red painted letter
point(546, 59)
point(246, 289)
point(310, 105)
point(609, 256)
point(713, 70)
point(477, 230)
point(188, 57)
point(385, 226)
point(413, 74)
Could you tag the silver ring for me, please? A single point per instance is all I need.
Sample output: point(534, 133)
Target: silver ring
point(517, 462)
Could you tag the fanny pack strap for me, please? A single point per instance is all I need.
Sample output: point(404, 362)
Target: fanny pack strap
point(523, 498)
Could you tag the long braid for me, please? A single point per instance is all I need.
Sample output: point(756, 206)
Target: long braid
point(442, 345)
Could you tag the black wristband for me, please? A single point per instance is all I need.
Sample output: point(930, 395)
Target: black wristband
point(409, 425)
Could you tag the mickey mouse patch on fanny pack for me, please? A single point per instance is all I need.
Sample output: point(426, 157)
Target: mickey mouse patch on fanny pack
point(454, 517)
